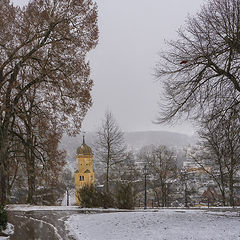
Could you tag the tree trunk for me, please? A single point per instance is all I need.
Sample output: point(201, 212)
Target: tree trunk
point(3, 169)
point(107, 179)
point(223, 198)
point(108, 166)
point(186, 196)
point(3, 182)
point(11, 183)
point(163, 195)
point(231, 191)
point(222, 182)
point(158, 201)
point(30, 160)
point(31, 180)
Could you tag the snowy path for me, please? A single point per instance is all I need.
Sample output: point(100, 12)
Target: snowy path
point(39, 224)
point(165, 224)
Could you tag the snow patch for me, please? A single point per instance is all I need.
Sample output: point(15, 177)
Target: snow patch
point(26, 208)
point(8, 231)
point(167, 224)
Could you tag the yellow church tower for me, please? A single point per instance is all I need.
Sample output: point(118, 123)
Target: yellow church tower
point(84, 175)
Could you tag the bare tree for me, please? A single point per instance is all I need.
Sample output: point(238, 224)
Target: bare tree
point(110, 147)
point(200, 71)
point(162, 167)
point(44, 44)
point(127, 170)
point(220, 144)
point(186, 186)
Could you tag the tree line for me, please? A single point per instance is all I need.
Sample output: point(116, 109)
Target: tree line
point(199, 72)
point(212, 177)
point(115, 169)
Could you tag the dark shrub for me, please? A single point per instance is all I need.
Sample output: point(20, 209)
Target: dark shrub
point(89, 197)
point(105, 199)
point(3, 218)
point(125, 198)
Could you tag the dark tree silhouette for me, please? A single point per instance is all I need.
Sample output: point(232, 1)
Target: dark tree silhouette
point(220, 144)
point(44, 44)
point(200, 71)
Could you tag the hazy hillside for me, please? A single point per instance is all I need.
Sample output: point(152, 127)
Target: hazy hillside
point(140, 139)
point(70, 144)
point(134, 140)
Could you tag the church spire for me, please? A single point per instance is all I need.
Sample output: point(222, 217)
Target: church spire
point(84, 149)
point(84, 139)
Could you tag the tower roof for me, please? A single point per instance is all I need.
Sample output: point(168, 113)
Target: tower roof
point(84, 149)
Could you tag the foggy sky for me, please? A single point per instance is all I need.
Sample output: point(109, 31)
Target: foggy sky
point(132, 32)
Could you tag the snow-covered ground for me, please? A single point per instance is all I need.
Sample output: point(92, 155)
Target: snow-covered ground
point(29, 208)
point(26, 208)
point(166, 224)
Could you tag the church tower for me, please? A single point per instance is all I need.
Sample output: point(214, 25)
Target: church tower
point(84, 175)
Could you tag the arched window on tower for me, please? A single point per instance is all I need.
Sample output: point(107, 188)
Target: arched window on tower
point(81, 178)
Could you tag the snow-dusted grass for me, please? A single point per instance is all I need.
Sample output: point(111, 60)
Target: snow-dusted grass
point(26, 208)
point(167, 224)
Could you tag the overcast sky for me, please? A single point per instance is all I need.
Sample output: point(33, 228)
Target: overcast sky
point(132, 32)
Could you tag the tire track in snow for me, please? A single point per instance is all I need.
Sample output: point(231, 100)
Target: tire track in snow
point(43, 222)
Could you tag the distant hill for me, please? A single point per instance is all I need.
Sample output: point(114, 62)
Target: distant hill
point(134, 140)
